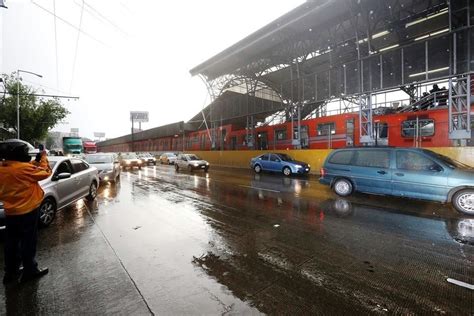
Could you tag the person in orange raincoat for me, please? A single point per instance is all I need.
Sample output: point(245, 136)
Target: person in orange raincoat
point(21, 196)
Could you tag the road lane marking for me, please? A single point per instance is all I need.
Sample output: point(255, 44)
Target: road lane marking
point(461, 283)
point(246, 186)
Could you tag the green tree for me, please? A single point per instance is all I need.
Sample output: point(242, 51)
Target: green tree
point(37, 115)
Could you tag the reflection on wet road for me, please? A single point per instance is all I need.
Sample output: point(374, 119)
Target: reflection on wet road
point(233, 242)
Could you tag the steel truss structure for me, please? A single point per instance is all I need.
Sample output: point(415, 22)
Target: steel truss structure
point(344, 51)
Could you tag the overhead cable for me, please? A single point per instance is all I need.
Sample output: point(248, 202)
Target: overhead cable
point(77, 45)
point(68, 23)
point(93, 10)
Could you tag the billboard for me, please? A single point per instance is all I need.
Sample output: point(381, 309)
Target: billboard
point(99, 134)
point(139, 116)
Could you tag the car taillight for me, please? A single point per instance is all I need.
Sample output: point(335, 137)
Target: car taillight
point(322, 172)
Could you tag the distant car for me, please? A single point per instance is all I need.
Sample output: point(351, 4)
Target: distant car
point(406, 172)
point(190, 162)
point(107, 165)
point(277, 162)
point(72, 179)
point(147, 158)
point(130, 160)
point(168, 158)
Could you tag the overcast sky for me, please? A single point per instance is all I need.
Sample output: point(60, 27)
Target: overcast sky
point(131, 55)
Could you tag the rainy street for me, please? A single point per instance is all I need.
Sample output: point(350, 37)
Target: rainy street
point(233, 242)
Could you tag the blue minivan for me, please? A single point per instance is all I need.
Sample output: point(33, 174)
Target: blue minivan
point(406, 172)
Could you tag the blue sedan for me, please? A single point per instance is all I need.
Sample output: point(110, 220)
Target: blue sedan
point(279, 163)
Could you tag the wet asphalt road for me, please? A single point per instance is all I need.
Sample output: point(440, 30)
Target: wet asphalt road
point(231, 242)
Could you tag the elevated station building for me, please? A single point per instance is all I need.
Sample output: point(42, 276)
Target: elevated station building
point(334, 73)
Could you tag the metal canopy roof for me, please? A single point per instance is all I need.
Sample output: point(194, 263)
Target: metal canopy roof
point(311, 13)
point(231, 107)
point(321, 25)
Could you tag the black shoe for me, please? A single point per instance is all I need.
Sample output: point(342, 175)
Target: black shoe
point(38, 273)
point(10, 278)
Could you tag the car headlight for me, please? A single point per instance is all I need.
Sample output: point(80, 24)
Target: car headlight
point(207, 164)
point(309, 165)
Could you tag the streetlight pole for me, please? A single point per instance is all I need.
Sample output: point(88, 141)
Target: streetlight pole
point(18, 98)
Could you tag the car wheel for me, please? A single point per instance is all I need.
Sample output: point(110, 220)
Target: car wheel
point(176, 167)
point(47, 212)
point(342, 207)
point(463, 201)
point(257, 169)
point(92, 192)
point(287, 171)
point(342, 187)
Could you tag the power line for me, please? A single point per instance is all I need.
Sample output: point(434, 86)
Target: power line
point(56, 42)
point(93, 11)
point(45, 86)
point(44, 95)
point(77, 45)
point(69, 24)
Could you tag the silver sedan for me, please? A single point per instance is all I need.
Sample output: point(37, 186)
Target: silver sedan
point(72, 180)
point(107, 165)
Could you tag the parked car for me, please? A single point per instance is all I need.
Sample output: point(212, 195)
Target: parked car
point(107, 165)
point(72, 179)
point(406, 172)
point(279, 163)
point(168, 158)
point(130, 160)
point(147, 158)
point(190, 162)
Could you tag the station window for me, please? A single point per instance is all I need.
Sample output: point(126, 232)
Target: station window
point(280, 134)
point(381, 130)
point(425, 127)
point(325, 128)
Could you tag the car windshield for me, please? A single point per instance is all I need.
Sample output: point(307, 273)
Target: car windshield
point(193, 157)
point(285, 157)
point(96, 159)
point(129, 156)
point(453, 164)
point(171, 155)
point(52, 164)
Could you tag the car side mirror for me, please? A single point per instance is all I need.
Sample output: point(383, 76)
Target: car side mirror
point(61, 176)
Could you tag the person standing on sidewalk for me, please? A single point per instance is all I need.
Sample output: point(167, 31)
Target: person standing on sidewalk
point(21, 196)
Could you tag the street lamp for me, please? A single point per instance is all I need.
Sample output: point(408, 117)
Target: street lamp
point(18, 98)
